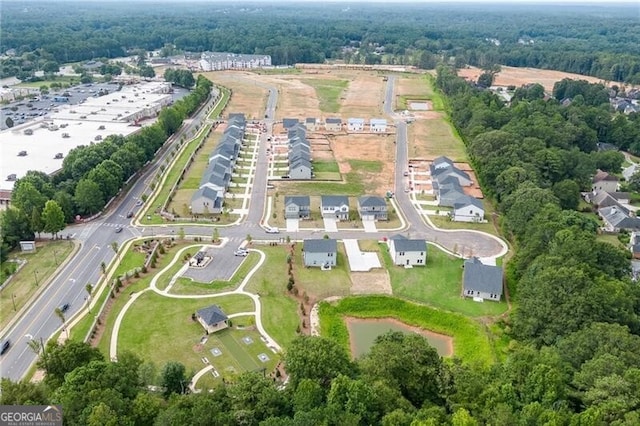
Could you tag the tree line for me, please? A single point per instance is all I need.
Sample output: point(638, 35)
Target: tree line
point(580, 39)
point(90, 176)
point(588, 377)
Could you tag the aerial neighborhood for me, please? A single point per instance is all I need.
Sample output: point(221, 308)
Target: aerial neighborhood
point(319, 214)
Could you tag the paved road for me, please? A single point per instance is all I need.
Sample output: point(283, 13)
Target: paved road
point(96, 237)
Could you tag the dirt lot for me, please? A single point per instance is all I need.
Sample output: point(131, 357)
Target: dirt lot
point(369, 148)
point(247, 96)
point(363, 96)
point(372, 282)
point(519, 76)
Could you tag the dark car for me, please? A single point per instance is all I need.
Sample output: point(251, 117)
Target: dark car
point(5, 347)
point(129, 215)
point(64, 308)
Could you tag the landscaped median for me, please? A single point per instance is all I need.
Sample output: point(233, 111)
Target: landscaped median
point(470, 341)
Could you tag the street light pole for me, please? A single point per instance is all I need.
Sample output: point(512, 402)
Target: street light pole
point(13, 299)
point(35, 274)
point(55, 256)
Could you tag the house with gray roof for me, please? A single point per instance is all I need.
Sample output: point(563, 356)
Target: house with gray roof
point(320, 252)
point(332, 124)
point(616, 219)
point(288, 123)
point(335, 207)
point(442, 173)
point(212, 318)
point(310, 124)
point(482, 281)
point(297, 207)
point(447, 192)
point(207, 200)
point(467, 209)
point(300, 169)
point(372, 207)
point(603, 181)
point(299, 153)
point(378, 125)
point(407, 252)
point(442, 162)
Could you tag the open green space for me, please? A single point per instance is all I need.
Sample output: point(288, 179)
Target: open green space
point(328, 92)
point(279, 315)
point(438, 284)
point(446, 223)
point(325, 166)
point(319, 284)
point(352, 185)
point(39, 267)
point(161, 329)
point(470, 340)
point(64, 80)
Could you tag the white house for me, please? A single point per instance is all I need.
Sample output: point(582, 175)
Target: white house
point(482, 281)
point(335, 206)
point(603, 181)
point(378, 125)
point(355, 124)
point(333, 124)
point(320, 252)
point(310, 124)
point(406, 252)
point(467, 209)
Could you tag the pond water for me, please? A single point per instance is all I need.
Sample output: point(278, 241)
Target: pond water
point(363, 332)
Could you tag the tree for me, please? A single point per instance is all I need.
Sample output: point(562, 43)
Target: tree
point(23, 393)
point(53, 218)
point(174, 378)
point(14, 227)
point(51, 67)
point(61, 315)
point(89, 289)
point(89, 197)
point(408, 363)
point(62, 359)
point(317, 359)
point(37, 224)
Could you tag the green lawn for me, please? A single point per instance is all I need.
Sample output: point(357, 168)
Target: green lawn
point(325, 166)
point(270, 283)
point(328, 92)
point(352, 185)
point(66, 81)
point(39, 267)
point(446, 223)
point(470, 340)
point(438, 284)
point(172, 335)
point(320, 284)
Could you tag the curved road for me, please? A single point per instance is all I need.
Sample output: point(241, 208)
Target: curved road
point(39, 320)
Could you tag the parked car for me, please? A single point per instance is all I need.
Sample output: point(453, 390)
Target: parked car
point(241, 252)
point(272, 231)
point(5, 347)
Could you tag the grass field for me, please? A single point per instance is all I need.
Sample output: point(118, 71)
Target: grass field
point(328, 92)
point(325, 166)
point(438, 284)
point(270, 283)
point(446, 223)
point(65, 80)
point(39, 267)
point(320, 284)
point(433, 137)
point(172, 335)
point(470, 340)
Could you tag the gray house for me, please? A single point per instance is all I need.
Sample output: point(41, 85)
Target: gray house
point(300, 169)
point(448, 191)
point(212, 319)
point(482, 281)
point(333, 124)
point(406, 252)
point(335, 206)
point(617, 218)
point(288, 123)
point(322, 252)
point(207, 201)
point(372, 207)
point(297, 207)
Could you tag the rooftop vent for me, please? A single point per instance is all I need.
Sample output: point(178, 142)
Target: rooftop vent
point(22, 154)
point(12, 177)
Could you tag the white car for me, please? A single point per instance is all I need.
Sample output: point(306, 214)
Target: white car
point(272, 231)
point(241, 252)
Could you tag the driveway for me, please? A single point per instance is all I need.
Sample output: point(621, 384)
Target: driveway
point(330, 225)
point(293, 225)
point(369, 225)
point(360, 261)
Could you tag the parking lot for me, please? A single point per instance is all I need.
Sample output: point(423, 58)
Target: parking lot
point(43, 105)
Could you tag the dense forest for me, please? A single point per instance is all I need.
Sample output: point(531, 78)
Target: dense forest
point(602, 41)
point(91, 174)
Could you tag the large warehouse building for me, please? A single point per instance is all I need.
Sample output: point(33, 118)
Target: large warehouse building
point(41, 144)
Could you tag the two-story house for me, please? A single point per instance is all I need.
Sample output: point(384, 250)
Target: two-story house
point(297, 207)
point(407, 252)
point(372, 207)
point(335, 207)
point(320, 252)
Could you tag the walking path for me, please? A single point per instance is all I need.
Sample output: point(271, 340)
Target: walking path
point(153, 286)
